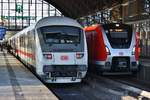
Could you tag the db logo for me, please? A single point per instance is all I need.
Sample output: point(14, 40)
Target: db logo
point(64, 58)
point(121, 53)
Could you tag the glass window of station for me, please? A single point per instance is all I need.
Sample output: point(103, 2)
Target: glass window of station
point(18, 14)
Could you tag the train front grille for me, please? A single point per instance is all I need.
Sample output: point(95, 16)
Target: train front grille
point(120, 64)
point(64, 70)
point(64, 74)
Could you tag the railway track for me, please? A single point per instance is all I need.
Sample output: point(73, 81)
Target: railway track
point(95, 87)
point(132, 89)
point(132, 81)
point(73, 91)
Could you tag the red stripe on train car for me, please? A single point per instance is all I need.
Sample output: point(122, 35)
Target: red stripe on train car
point(30, 55)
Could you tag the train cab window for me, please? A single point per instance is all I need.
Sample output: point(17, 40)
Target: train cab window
point(119, 37)
point(122, 35)
point(61, 34)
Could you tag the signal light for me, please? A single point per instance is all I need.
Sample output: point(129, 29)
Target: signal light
point(117, 25)
point(133, 51)
point(79, 55)
point(48, 56)
point(107, 50)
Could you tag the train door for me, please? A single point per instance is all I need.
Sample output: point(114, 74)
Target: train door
point(91, 38)
point(29, 60)
point(25, 46)
point(93, 35)
point(23, 52)
point(90, 42)
point(14, 46)
point(17, 47)
point(33, 47)
point(20, 45)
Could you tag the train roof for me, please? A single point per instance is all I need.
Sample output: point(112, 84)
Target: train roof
point(50, 21)
point(93, 27)
point(57, 20)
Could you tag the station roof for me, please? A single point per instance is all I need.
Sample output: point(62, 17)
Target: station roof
point(80, 8)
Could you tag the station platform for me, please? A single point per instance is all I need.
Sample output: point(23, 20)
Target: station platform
point(18, 83)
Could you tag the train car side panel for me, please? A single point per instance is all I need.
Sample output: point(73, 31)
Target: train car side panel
point(100, 46)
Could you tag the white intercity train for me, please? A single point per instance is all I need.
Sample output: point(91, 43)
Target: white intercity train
point(55, 48)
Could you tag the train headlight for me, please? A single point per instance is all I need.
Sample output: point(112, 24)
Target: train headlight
point(79, 55)
point(48, 56)
point(133, 51)
point(107, 50)
point(117, 25)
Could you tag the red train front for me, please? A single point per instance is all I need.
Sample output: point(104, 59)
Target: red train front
point(113, 47)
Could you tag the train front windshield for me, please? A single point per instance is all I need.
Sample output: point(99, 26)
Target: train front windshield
point(60, 35)
point(119, 37)
point(63, 38)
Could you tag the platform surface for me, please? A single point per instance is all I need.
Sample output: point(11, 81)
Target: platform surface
point(18, 83)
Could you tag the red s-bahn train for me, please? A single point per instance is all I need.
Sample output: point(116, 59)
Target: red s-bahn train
point(113, 48)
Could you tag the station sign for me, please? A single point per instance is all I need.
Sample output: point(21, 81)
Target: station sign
point(19, 17)
point(2, 32)
point(19, 8)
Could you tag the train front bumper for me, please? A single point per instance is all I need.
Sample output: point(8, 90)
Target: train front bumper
point(115, 64)
point(64, 73)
